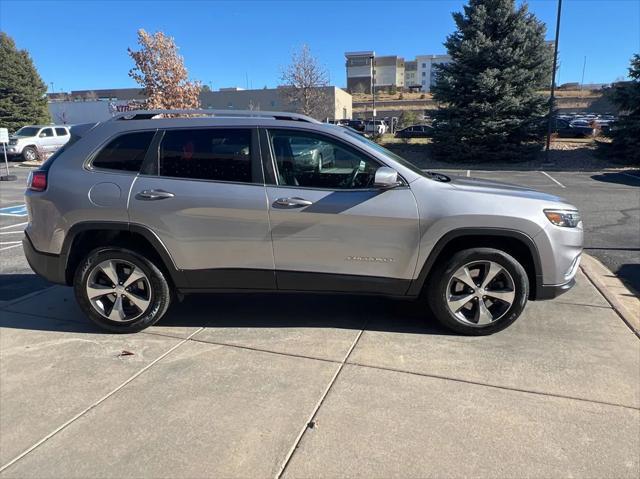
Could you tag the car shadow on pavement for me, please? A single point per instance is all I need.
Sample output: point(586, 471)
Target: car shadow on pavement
point(303, 310)
point(15, 285)
point(259, 310)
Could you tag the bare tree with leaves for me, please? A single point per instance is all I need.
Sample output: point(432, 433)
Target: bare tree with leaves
point(161, 72)
point(304, 81)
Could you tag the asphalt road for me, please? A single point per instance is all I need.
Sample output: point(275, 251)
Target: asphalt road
point(609, 203)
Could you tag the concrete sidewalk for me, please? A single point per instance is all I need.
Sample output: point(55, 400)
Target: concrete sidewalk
point(318, 386)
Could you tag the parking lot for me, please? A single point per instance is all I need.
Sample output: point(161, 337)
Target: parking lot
point(324, 386)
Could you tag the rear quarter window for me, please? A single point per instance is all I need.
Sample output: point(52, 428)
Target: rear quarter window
point(124, 153)
point(61, 132)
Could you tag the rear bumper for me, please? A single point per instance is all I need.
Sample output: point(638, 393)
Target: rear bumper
point(49, 266)
point(550, 291)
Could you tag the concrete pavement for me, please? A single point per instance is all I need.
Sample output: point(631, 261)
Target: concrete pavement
point(318, 386)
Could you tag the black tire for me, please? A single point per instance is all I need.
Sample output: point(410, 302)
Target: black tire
point(439, 282)
point(159, 292)
point(27, 151)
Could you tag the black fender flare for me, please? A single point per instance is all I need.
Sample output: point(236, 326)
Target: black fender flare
point(177, 275)
point(417, 284)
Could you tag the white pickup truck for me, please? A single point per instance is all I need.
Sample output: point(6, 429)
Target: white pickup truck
point(34, 141)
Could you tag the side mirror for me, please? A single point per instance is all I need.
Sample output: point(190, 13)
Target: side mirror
point(386, 178)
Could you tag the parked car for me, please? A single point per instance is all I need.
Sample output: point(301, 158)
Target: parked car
point(356, 124)
point(29, 142)
point(375, 127)
point(361, 133)
point(140, 210)
point(415, 131)
point(574, 129)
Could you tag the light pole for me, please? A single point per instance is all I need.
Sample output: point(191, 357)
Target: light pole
point(553, 81)
point(373, 87)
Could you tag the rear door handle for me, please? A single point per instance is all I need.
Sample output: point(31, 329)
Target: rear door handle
point(291, 203)
point(149, 195)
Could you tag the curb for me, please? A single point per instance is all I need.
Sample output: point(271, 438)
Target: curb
point(622, 300)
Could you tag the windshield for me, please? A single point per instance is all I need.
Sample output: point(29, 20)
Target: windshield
point(27, 131)
point(384, 151)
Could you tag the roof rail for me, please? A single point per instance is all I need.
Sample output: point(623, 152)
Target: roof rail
point(150, 114)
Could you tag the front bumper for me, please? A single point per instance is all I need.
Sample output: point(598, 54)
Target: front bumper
point(50, 266)
point(550, 291)
point(13, 150)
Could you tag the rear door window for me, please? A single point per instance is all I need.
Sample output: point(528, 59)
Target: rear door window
point(46, 132)
point(207, 154)
point(124, 153)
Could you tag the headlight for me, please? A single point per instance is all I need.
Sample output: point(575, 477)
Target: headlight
point(565, 218)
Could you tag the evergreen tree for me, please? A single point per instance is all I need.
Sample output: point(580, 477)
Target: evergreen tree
point(490, 105)
point(23, 98)
point(626, 132)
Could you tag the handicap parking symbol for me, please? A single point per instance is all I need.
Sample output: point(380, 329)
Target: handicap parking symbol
point(18, 210)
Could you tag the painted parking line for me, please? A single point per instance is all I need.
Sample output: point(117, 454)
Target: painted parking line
point(13, 226)
point(9, 247)
point(553, 179)
point(18, 210)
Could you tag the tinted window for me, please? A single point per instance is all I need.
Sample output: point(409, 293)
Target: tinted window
point(27, 131)
point(61, 132)
point(46, 132)
point(213, 154)
point(309, 160)
point(124, 153)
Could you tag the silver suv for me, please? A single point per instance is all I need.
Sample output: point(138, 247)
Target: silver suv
point(152, 205)
point(32, 142)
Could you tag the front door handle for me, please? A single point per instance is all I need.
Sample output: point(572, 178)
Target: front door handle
point(149, 195)
point(291, 203)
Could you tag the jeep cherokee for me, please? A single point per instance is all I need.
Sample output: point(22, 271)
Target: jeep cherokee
point(151, 205)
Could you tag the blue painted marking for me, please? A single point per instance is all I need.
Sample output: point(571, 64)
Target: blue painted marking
point(19, 210)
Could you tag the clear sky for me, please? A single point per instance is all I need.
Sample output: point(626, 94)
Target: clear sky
point(83, 44)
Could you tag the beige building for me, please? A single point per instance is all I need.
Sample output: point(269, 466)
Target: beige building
point(390, 71)
point(337, 103)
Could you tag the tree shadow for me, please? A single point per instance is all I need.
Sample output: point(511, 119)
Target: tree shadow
point(628, 178)
point(630, 275)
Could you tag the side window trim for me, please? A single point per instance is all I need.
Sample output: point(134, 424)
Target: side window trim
point(151, 163)
point(339, 141)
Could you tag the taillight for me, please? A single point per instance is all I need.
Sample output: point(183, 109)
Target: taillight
point(37, 181)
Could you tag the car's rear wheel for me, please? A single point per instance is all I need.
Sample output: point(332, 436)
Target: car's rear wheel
point(120, 290)
point(478, 291)
point(29, 153)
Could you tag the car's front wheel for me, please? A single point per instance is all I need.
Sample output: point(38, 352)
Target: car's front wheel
point(120, 290)
point(29, 153)
point(478, 291)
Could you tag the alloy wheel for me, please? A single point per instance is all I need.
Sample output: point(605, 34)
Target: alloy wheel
point(479, 293)
point(118, 290)
point(30, 154)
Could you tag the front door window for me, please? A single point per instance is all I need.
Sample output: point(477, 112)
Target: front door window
point(309, 160)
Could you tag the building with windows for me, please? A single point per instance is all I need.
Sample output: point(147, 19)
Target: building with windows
point(390, 71)
point(425, 71)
